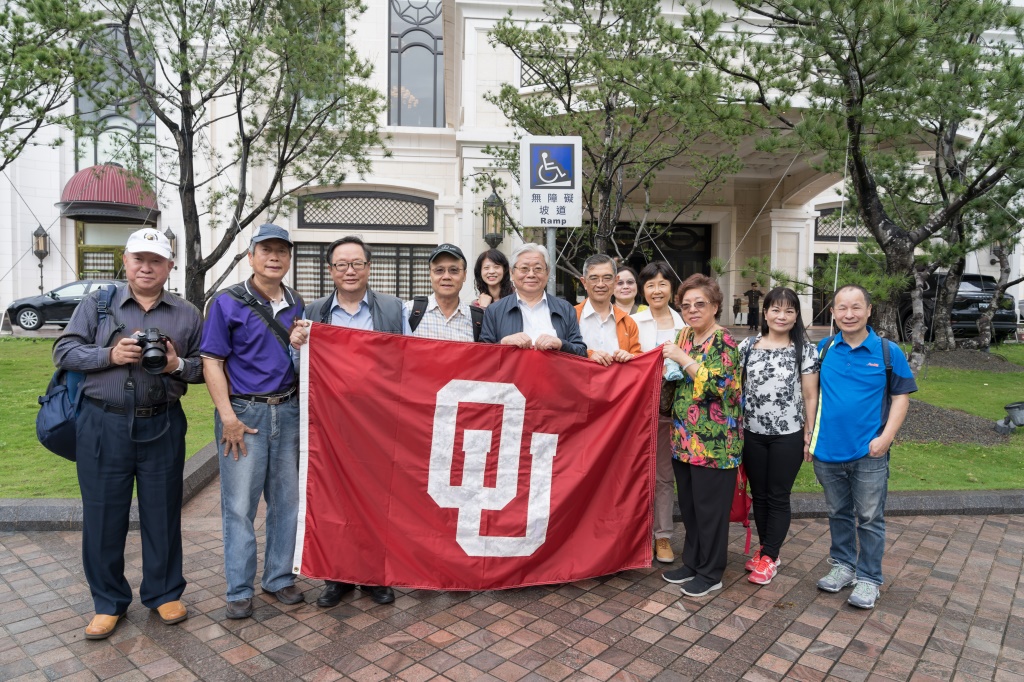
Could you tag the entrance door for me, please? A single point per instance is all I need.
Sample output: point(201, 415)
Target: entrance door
point(686, 248)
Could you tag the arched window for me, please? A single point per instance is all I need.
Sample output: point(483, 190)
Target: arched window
point(115, 124)
point(416, 79)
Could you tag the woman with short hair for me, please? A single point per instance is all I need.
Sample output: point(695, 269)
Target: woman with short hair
point(707, 438)
point(492, 277)
point(659, 324)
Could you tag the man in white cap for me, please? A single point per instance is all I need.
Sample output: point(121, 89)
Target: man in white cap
point(131, 429)
point(249, 374)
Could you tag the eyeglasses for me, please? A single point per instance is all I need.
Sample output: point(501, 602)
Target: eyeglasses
point(454, 271)
point(356, 265)
point(697, 305)
point(627, 282)
point(607, 279)
point(537, 270)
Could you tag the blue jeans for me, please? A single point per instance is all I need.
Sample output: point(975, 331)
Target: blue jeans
point(855, 494)
point(271, 468)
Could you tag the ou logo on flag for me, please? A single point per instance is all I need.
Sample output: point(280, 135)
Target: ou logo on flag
point(471, 498)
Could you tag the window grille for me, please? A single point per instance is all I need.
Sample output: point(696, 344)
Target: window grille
point(416, 76)
point(827, 227)
point(355, 211)
point(400, 270)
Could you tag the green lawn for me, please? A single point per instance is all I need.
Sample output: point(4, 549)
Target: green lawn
point(26, 468)
point(935, 466)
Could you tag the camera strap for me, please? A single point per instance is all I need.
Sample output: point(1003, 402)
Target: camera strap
point(129, 392)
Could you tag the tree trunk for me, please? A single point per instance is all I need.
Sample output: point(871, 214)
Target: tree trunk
point(942, 327)
point(899, 260)
point(1002, 284)
point(917, 353)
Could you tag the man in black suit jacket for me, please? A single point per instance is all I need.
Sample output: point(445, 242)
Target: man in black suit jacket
point(531, 318)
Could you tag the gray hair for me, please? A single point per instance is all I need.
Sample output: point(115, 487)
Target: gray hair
point(530, 247)
point(599, 259)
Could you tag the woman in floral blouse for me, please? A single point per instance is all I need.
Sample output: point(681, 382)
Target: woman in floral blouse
point(707, 441)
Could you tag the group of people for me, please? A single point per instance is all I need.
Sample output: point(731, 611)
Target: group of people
point(756, 402)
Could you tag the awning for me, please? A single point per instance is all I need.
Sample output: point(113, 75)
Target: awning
point(108, 192)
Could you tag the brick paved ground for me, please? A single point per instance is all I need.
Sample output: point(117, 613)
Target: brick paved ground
point(953, 609)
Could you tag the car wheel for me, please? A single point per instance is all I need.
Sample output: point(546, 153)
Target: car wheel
point(907, 328)
point(29, 319)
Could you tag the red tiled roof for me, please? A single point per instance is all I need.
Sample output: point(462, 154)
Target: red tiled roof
point(108, 183)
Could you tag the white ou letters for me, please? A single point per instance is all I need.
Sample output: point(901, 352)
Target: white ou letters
point(471, 498)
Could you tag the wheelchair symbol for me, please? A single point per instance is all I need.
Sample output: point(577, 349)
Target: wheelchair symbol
point(549, 171)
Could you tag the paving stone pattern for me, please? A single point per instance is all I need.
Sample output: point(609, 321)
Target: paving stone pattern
point(953, 610)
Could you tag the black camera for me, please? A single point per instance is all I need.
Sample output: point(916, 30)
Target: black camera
point(154, 349)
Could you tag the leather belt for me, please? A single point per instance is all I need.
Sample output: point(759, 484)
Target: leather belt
point(275, 399)
point(146, 411)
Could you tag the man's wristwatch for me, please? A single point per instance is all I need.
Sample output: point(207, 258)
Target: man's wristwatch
point(180, 369)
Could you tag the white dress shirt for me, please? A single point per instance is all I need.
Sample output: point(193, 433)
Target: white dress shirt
point(597, 333)
point(536, 320)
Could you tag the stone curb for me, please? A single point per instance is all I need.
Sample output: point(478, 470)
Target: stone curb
point(66, 514)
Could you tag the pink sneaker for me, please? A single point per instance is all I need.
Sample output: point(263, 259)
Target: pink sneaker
point(752, 561)
point(764, 571)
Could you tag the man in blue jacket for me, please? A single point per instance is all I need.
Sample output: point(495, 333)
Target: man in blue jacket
point(531, 318)
point(863, 404)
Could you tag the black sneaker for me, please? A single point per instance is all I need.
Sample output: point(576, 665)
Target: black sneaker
point(678, 576)
point(698, 587)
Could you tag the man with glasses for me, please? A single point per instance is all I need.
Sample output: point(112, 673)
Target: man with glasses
point(610, 333)
point(442, 315)
point(249, 373)
point(354, 305)
point(531, 318)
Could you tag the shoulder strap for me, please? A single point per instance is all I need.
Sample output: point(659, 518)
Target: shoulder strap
point(419, 306)
point(240, 293)
point(103, 309)
point(824, 349)
point(476, 314)
point(887, 359)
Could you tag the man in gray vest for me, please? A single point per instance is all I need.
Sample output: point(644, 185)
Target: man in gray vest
point(352, 304)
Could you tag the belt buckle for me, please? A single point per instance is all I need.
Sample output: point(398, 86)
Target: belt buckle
point(143, 411)
point(276, 400)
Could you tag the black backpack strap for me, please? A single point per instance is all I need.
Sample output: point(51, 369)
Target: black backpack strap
point(240, 293)
point(103, 303)
point(824, 350)
point(419, 306)
point(477, 315)
point(325, 311)
point(887, 359)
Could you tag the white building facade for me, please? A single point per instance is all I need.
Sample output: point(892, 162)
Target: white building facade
point(434, 61)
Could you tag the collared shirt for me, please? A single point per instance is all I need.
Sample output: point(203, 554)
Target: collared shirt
point(851, 407)
point(255, 360)
point(434, 325)
point(80, 347)
point(536, 320)
point(363, 317)
point(599, 334)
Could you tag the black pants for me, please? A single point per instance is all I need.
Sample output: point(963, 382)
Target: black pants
point(109, 465)
point(772, 463)
point(705, 498)
point(752, 321)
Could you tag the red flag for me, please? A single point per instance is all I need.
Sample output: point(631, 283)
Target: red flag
point(465, 466)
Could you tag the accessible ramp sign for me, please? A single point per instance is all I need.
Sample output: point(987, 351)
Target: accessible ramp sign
point(551, 179)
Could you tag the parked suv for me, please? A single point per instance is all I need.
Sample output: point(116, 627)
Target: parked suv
point(54, 306)
point(973, 297)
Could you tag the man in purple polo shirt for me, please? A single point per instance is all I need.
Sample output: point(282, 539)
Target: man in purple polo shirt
point(251, 379)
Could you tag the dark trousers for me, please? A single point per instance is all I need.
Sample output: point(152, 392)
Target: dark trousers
point(772, 463)
point(752, 320)
point(109, 465)
point(705, 498)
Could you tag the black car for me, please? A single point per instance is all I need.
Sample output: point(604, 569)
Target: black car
point(973, 297)
point(54, 306)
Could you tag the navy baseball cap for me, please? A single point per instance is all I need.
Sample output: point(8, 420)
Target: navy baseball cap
point(270, 231)
point(449, 249)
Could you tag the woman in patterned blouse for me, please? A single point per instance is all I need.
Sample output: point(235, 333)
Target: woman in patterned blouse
point(780, 386)
point(707, 439)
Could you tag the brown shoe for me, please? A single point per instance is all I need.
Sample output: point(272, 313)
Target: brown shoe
point(172, 612)
point(663, 551)
point(102, 626)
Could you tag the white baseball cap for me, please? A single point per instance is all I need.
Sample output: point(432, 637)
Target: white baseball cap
point(149, 240)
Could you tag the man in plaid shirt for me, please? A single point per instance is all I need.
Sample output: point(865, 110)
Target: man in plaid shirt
point(444, 316)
